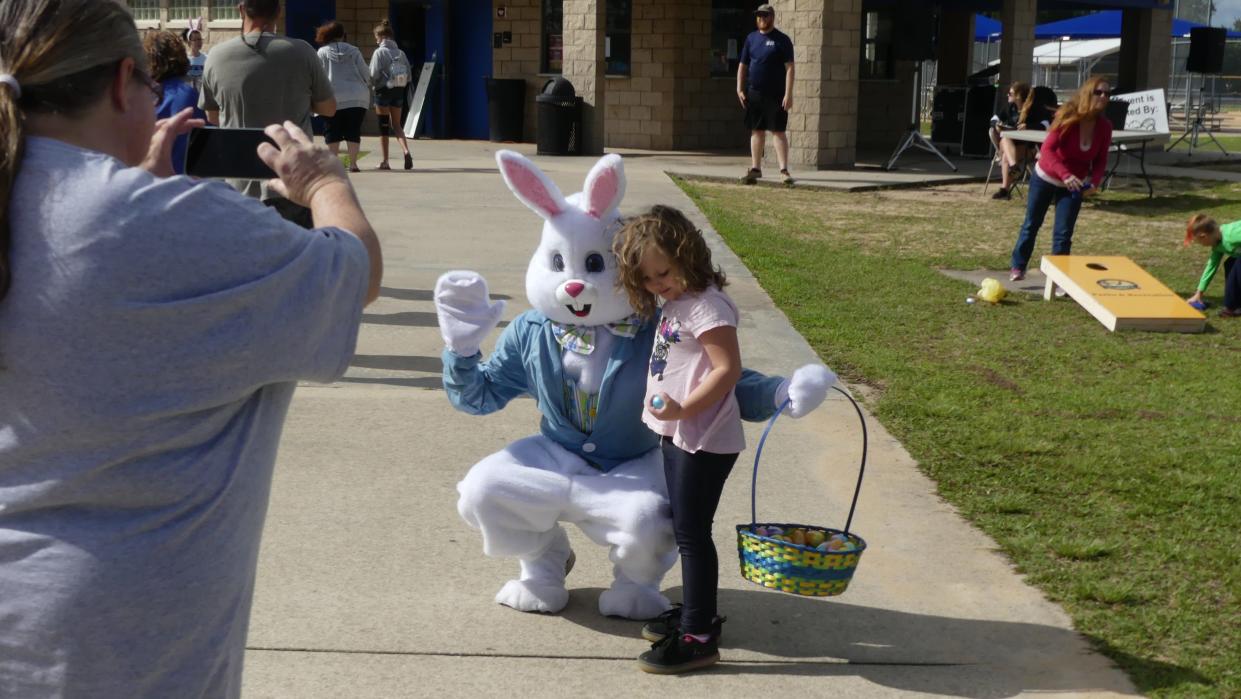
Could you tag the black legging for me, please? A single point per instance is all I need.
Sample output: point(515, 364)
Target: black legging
point(695, 482)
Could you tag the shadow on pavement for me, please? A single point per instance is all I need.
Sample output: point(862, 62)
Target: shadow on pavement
point(431, 382)
point(975, 658)
point(398, 362)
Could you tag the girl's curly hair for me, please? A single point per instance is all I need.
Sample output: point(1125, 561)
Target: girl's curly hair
point(166, 54)
point(669, 231)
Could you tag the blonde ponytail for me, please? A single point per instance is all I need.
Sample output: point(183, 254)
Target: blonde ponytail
point(63, 54)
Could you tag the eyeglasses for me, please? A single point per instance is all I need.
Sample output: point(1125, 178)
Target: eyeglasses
point(156, 89)
point(1103, 93)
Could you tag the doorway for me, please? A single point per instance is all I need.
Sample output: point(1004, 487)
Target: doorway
point(409, 24)
point(302, 18)
point(469, 64)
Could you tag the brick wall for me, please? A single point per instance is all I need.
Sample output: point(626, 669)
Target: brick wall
point(669, 99)
point(827, 36)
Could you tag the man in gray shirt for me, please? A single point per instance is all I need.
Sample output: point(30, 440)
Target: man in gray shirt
point(260, 79)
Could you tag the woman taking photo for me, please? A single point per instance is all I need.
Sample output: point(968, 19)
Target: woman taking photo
point(1071, 164)
point(152, 331)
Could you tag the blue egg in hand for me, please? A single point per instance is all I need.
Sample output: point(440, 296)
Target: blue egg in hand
point(657, 402)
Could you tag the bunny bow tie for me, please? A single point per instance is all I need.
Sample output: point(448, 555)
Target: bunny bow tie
point(581, 338)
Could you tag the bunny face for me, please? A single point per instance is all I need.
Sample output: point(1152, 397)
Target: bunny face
point(572, 277)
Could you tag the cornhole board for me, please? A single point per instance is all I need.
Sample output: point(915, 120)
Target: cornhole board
point(1120, 294)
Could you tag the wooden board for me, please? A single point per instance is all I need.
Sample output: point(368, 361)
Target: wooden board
point(1120, 294)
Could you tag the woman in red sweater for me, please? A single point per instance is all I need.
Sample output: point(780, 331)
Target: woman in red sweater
point(1071, 163)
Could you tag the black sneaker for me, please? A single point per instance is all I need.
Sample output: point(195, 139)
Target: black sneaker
point(751, 176)
point(677, 653)
point(1002, 193)
point(670, 622)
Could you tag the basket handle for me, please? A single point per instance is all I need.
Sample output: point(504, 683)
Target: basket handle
point(759, 453)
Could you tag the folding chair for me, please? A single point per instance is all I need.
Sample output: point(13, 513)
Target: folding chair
point(1024, 166)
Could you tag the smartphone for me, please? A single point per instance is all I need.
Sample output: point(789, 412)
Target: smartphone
point(233, 153)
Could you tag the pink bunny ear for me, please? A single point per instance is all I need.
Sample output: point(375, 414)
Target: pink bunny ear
point(529, 184)
point(605, 185)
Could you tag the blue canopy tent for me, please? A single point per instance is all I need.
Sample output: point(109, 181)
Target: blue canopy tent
point(1104, 25)
point(986, 29)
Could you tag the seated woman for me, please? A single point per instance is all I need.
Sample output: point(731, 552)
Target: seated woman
point(1037, 111)
point(1007, 117)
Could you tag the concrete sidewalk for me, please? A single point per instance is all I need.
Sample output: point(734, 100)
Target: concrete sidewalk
point(371, 586)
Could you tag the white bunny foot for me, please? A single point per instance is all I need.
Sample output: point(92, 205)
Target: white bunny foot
point(533, 596)
point(632, 601)
point(541, 587)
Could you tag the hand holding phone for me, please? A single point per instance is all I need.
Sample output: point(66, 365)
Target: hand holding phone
point(302, 167)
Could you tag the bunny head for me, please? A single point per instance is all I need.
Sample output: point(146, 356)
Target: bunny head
point(572, 278)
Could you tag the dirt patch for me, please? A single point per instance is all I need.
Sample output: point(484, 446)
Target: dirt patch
point(994, 378)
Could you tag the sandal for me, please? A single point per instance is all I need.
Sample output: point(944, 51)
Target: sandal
point(409, 162)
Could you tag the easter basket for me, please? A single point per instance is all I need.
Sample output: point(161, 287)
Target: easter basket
point(800, 559)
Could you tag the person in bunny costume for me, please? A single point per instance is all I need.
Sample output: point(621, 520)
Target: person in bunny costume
point(581, 353)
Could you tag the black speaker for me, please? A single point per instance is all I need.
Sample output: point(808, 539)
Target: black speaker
point(915, 30)
point(979, 106)
point(947, 113)
point(1206, 50)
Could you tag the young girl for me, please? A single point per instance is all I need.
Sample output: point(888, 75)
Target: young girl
point(1224, 241)
point(689, 402)
point(1071, 163)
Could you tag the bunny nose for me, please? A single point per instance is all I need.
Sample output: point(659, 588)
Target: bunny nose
point(574, 288)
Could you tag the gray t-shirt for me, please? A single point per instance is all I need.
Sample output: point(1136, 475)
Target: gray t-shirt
point(149, 347)
point(257, 80)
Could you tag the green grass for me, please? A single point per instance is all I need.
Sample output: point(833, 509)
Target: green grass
point(1105, 464)
point(1232, 144)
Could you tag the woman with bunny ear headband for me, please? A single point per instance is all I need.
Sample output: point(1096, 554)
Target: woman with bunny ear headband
point(581, 353)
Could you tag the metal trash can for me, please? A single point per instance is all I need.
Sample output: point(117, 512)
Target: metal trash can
point(559, 112)
point(506, 108)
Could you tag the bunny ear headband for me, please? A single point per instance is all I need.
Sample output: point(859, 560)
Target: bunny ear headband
point(195, 25)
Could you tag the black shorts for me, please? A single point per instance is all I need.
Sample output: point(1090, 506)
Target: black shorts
point(390, 97)
point(765, 112)
point(346, 125)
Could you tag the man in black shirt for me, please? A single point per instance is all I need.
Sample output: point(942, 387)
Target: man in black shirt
point(765, 88)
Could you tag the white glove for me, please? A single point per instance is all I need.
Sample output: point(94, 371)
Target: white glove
point(807, 389)
point(466, 314)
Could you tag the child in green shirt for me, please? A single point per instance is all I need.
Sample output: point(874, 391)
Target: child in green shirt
point(1225, 244)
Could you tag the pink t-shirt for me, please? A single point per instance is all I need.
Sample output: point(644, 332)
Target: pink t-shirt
point(678, 365)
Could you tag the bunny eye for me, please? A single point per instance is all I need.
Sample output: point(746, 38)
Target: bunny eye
point(558, 262)
point(594, 262)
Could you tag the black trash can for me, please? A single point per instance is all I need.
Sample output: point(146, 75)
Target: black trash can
point(559, 112)
point(506, 108)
